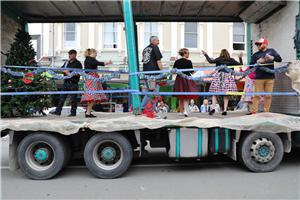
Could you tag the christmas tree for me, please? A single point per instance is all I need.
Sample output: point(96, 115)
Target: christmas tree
point(22, 53)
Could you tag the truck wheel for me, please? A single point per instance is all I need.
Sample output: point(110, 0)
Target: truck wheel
point(41, 155)
point(260, 152)
point(68, 149)
point(108, 155)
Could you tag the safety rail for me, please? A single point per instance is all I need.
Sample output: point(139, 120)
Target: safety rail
point(165, 74)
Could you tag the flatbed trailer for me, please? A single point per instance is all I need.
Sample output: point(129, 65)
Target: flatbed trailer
point(42, 145)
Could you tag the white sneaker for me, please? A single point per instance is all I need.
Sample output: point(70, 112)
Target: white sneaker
point(186, 114)
point(180, 114)
point(157, 117)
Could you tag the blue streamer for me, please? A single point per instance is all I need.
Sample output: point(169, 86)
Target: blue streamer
point(148, 77)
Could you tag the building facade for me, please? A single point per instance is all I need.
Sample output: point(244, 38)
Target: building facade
point(109, 40)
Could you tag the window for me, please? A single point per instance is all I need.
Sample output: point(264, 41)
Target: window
point(238, 36)
point(111, 35)
point(70, 32)
point(190, 35)
point(151, 29)
point(36, 44)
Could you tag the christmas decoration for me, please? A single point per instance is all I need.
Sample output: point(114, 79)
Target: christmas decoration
point(9, 81)
point(53, 87)
point(161, 82)
point(28, 77)
point(147, 112)
point(22, 53)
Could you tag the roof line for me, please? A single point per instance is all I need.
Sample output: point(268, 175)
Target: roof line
point(78, 8)
point(199, 13)
point(61, 12)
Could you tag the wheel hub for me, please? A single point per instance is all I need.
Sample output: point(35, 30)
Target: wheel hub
point(41, 155)
point(108, 154)
point(262, 150)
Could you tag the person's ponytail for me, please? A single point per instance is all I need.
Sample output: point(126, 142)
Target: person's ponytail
point(87, 53)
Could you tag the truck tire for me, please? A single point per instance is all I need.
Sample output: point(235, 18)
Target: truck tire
point(108, 155)
point(68, 149)
point(260, 152)
point(41, 155)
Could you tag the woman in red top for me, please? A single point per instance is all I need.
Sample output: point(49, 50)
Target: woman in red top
point(91, 84)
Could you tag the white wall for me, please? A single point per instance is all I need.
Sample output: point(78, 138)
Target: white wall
point(280, 30)
point(35, 29)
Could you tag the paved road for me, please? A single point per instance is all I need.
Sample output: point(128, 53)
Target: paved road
point(158, 177)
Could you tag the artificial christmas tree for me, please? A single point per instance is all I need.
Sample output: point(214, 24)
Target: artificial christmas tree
point(22, 53)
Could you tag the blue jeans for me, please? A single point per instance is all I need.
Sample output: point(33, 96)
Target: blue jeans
point(62, 97)
point(145, 100)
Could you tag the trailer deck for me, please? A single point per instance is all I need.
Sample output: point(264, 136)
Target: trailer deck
point(109, 122)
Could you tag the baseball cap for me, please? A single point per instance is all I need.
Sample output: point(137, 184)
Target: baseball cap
point(72, 51)
point(261, 40)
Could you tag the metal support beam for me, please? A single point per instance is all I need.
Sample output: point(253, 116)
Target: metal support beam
point(37, 8)
point(120, 8)
point(58, 9)
point(26, 26)
point(132, 54)
point(162, 4)
point(199, 13)
point(141, 8)
point(217, 15)
point(78, 8)
point(99, 8)
point(249, 45)
point(297, 34)
point(182, 8)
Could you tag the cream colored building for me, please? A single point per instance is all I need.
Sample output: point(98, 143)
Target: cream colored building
point(109, 40)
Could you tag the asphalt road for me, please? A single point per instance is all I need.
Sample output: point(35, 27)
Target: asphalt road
point(158, 177)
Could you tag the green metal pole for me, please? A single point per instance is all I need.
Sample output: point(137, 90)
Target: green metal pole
point(132, 54)
point(249, 45)
point(26, 26)
point(298, 36)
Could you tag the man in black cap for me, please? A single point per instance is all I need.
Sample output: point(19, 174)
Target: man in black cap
point(70, 84)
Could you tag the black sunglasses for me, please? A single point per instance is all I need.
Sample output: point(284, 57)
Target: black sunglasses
point(259, 44)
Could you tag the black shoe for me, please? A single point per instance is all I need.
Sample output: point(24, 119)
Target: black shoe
point(72, 115)
point(249, 113)
point(224, 113)
point(212, 112)
point(54, 113)
point(90, 115)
